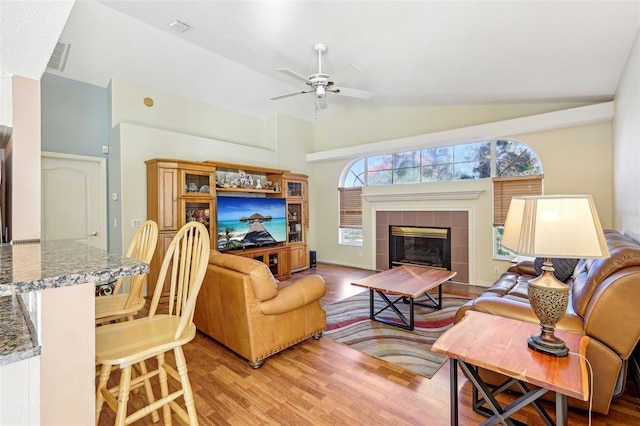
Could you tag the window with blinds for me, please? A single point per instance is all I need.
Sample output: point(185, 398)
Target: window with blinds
point(507, 187)
point(350, 207)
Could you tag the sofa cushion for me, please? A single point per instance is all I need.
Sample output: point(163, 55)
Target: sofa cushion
point(563, 268)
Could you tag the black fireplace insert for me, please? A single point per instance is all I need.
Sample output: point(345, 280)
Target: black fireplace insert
point(418, 245)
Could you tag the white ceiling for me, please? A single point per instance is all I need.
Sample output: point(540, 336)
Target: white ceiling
point(413, 53)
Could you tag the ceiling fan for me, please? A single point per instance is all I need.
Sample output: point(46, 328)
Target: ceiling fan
point(320, 83)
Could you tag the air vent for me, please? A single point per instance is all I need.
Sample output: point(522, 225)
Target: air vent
point(59, 56)
point(179, 26)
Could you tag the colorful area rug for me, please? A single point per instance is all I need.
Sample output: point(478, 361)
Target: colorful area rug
point(348, 323)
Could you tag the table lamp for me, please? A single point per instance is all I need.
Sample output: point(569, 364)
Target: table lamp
point(557, 226)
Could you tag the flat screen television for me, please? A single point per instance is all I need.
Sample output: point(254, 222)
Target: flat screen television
point(245, 222)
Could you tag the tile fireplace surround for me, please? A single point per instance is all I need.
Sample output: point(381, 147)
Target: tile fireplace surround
point(456, 220)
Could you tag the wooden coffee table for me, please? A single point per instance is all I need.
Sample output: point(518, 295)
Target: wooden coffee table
point(500, 344)
point(409, 283)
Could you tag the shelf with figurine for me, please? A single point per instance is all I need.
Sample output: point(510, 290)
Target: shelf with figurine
point(238, 178)
point(242, 182)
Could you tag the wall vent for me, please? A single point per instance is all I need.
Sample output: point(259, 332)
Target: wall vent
point(179, 26)
point(59, 56)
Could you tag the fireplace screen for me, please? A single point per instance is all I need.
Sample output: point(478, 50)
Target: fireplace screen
point(425, 246)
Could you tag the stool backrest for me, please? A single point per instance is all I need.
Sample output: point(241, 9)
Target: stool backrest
point(186, 260)
point(142, 247)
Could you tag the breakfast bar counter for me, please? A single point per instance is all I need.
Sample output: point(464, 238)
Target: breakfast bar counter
point(42, 266)
point(47, 318)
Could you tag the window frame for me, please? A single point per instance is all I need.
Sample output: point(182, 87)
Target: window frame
point(509, 187)
point(493, 156)
point(351, 235)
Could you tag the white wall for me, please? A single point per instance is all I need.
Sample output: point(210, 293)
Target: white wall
point(626, 147)
point(181, 115)
point(363, 125)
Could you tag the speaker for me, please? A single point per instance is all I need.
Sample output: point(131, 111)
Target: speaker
point(312, 258)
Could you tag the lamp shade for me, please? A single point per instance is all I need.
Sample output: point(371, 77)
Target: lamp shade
point(560, 226)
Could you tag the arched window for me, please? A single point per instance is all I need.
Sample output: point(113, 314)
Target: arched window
point(501, 159)
point(514, 158)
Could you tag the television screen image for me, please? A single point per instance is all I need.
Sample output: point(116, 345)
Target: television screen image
point(245, 222)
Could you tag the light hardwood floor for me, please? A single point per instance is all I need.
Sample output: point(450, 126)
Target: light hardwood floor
point(325, 383)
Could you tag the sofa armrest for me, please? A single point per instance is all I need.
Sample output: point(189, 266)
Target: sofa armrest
point(295, 296)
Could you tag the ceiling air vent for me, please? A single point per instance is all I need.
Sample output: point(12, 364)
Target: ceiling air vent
point(59, 56)
point(179, 26)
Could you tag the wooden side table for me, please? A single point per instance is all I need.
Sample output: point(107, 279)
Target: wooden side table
point(500, 344)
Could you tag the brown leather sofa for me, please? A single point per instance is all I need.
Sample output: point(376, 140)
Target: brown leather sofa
point(241, 306)
point(604, 304)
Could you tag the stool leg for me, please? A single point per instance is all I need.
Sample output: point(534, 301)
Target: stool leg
point(181, 364)
point(123, 395)
point(105, 372)
point(147, 390)
point(164, 388)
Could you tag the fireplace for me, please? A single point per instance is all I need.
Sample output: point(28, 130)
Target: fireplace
point(457, 221)
point(420, 245)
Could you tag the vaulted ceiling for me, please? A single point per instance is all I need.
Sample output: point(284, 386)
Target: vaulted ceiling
point(412, 53)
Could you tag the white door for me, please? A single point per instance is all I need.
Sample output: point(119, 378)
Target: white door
point(74, 199)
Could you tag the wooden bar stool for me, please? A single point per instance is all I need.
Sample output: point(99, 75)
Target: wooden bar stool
point(130, 343)
point(126, 305)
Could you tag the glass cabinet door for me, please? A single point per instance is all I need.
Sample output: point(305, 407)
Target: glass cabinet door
point(294, 189)
point(294, 221)
point(199, 212)
point(196, 183)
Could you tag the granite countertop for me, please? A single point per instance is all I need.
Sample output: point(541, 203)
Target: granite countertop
point(17, 340)
point(32, 267)
point(35, 267)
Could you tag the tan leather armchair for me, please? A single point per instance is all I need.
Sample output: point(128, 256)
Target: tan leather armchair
point(241, 306)
point(603, 304)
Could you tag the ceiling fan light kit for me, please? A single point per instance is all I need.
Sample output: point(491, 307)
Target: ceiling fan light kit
point(321, 83)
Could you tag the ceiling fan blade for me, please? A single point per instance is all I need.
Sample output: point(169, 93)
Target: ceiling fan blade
point(345, 74)
point(294, 75)
point(286, 95)
point(354, 93)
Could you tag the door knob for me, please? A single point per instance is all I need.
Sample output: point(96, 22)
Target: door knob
point(94, 234)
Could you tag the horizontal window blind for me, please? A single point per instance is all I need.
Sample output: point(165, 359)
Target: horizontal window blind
point(350, 207)
point(507, 187)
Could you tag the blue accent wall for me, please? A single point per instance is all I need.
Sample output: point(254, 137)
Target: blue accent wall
point(75, 120)
point(74, 116)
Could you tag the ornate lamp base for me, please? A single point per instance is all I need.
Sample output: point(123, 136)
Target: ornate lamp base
point(549, 299)
point(560, 350)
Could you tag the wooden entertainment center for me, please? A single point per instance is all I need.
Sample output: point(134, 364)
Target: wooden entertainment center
point(182, 191)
